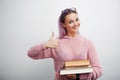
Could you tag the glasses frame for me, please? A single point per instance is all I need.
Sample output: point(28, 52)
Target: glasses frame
point(69, 9)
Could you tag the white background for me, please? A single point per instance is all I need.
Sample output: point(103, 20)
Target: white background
point(24, 23)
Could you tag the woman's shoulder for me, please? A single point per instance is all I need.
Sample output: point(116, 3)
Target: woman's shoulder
point(89, 41)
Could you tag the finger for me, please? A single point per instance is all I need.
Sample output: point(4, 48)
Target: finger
point(52, 36)
point(68, 75)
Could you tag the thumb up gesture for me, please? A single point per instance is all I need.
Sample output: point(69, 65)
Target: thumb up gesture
point(52, 42)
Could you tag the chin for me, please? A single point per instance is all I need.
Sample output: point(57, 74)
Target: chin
point(76, 30)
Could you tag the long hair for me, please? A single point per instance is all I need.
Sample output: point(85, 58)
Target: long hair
point(62, 31)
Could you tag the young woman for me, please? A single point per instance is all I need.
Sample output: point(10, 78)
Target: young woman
point(69, 46)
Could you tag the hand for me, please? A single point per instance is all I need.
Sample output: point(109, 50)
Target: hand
point(69, 76)
point(72, 76)
point(52, 42)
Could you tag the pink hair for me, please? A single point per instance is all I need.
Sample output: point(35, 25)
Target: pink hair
point(62, 31)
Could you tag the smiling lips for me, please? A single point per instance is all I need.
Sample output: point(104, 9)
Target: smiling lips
point(75, 28)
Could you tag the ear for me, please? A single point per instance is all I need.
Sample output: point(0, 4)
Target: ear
point(63, 25)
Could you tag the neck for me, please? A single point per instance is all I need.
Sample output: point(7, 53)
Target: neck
point(72, 34)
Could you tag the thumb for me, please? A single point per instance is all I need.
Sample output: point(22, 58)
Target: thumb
point(52, 36)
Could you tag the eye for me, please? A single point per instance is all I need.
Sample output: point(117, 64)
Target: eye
point(77, 19)
point(70, 22)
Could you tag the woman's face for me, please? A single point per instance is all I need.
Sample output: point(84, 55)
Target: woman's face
point(71, 23)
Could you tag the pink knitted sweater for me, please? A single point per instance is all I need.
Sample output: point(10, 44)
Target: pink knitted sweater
point(76, 48)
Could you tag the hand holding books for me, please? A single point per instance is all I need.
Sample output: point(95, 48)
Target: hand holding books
point(76, 67)
point(69, 76)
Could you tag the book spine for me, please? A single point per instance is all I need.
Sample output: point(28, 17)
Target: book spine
point(77, 63)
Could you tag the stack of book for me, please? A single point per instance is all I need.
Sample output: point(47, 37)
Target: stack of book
point(76, 67)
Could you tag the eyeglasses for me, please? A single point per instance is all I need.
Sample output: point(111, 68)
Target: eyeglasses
point(68, 10)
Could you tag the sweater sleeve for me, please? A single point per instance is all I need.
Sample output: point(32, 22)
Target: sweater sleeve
point(93, 57)
point(39, 52)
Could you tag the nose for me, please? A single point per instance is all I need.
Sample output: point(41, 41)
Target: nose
point(75, 23)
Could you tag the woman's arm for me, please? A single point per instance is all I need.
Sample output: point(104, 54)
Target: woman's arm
point(93, 57)
point(39, 52)
point(44, 50)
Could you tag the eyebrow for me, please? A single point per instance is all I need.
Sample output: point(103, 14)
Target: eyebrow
point(73, 20)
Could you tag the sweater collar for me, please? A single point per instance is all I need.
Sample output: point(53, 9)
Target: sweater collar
point(75, 37)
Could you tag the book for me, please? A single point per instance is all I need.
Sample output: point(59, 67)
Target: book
point(77, 70)
point(76, 63)
point(76, 67)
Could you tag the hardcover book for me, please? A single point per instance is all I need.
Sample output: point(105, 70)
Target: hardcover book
point(76, 67)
